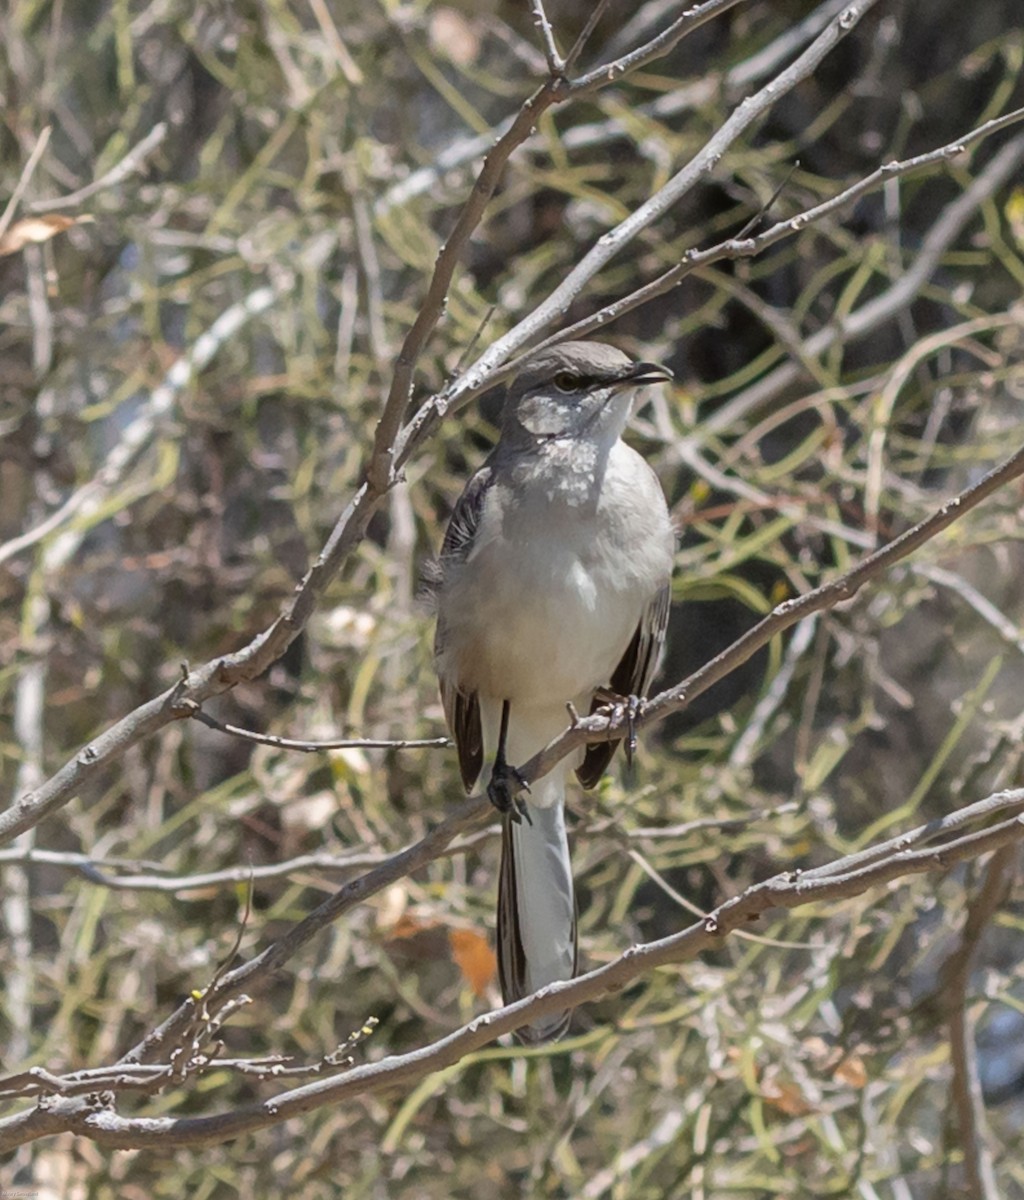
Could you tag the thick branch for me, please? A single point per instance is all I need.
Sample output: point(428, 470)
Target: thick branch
point(788, 891)
point(603, 727)
point(252, 660)
point(489, 368)
point(864, 319)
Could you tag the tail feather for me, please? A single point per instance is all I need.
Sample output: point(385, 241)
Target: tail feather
point(536, 914)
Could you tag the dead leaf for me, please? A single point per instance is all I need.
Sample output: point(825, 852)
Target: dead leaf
point(474, 958)
point(786, 1097)
point(852, 1071)
point(36, 229)
point(408, 926)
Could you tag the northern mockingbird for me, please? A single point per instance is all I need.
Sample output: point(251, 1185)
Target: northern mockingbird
point(552, 588)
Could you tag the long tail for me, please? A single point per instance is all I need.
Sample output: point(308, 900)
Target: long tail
point(537, 910)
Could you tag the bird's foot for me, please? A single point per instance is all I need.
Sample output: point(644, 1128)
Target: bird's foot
point(504, 791)
point(629, 708)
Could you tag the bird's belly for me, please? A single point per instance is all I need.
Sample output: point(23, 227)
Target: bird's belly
point(540, 628)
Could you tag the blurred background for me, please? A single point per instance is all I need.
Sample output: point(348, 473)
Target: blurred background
point(192, 360)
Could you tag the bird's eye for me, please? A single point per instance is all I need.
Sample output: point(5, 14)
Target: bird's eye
point(566, 381)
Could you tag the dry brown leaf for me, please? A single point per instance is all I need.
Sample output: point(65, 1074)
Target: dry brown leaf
point(474, 958)
point(852, 1071)
point(36, 229)
point(408, 926)
point(786, 1097)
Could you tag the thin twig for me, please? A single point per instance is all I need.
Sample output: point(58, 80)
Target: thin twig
point(493, 366)
point(580, 137)
point(858, 323)
point(127, 875)
point(131, 162)
point(283, 743)
point(685, 24)
point(471, 814)
point(578, 46)
point(38, 150)
point(556, 63)
point(743, 116)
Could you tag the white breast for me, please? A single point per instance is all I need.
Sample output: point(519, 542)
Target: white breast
point(560, 573)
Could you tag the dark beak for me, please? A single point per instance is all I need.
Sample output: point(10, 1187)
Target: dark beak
point(647, 372)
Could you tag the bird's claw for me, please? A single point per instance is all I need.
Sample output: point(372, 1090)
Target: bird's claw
point(505, 790)
point(634, 706)
point(629, 708)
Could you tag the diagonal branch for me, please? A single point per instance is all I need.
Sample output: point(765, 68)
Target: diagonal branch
point(103, 1125)
point(492, 366)
point(666, 41)
point(863, 320)
point(611, 243)
point(222, 674)
point(602, 727)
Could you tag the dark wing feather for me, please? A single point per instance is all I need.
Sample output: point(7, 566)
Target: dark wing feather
point(465, 518)
point(462, 713)
point(462, 710)
point(631, 677)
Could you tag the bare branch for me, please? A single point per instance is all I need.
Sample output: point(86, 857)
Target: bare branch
point(611, 243)
point(492, 366)
point(787, 891)
point(554, 91)
point(556, 63)
point(223, 674)
point(283, 743)
point(125, 875)
point(131, 162)
point(994, 175)
point(578, 137)
point(603, 727)
point(689, 21)
point(465, 817)
point(577, 48)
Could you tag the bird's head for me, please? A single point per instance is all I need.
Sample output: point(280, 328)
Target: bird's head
point(576, 390)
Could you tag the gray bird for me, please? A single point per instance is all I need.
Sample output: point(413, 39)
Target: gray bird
point(552, 587)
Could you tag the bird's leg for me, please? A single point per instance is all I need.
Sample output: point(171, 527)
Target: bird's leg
point(631, 707)
point(507, 781)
